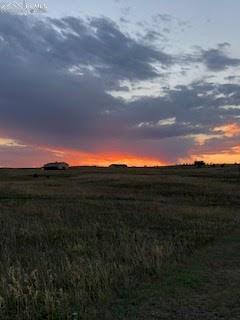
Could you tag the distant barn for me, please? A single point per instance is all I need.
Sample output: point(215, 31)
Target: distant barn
point(118, 166)
point(56, 166)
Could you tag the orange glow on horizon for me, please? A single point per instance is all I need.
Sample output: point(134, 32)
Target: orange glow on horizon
point(76, 158)
point(229, 156)
point(37, 155)
point(221, 158)
point(81, 158)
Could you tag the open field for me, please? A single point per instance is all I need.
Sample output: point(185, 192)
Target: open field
point(79, 244)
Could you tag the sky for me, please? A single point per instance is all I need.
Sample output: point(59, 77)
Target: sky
point(152, 82)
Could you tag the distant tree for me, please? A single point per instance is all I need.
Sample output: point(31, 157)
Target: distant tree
point(199, 164)
point(118, 166)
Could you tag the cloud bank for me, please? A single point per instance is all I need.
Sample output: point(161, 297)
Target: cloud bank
point(56, 79)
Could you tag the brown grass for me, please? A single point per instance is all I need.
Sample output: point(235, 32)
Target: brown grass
point(73, 243)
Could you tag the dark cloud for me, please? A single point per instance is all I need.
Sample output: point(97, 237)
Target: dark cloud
point(216, 59)
point(231, 78)
point(73, 42)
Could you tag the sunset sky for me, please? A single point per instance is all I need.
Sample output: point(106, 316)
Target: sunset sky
point(131, 81)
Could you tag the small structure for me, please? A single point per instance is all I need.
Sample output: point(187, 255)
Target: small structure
point(199, 164)
point(118, 166)
point(56, 166)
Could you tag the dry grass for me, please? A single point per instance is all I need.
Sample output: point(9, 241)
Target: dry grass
point(74, 242)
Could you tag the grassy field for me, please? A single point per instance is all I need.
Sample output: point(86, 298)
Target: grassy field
point(79, 244)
